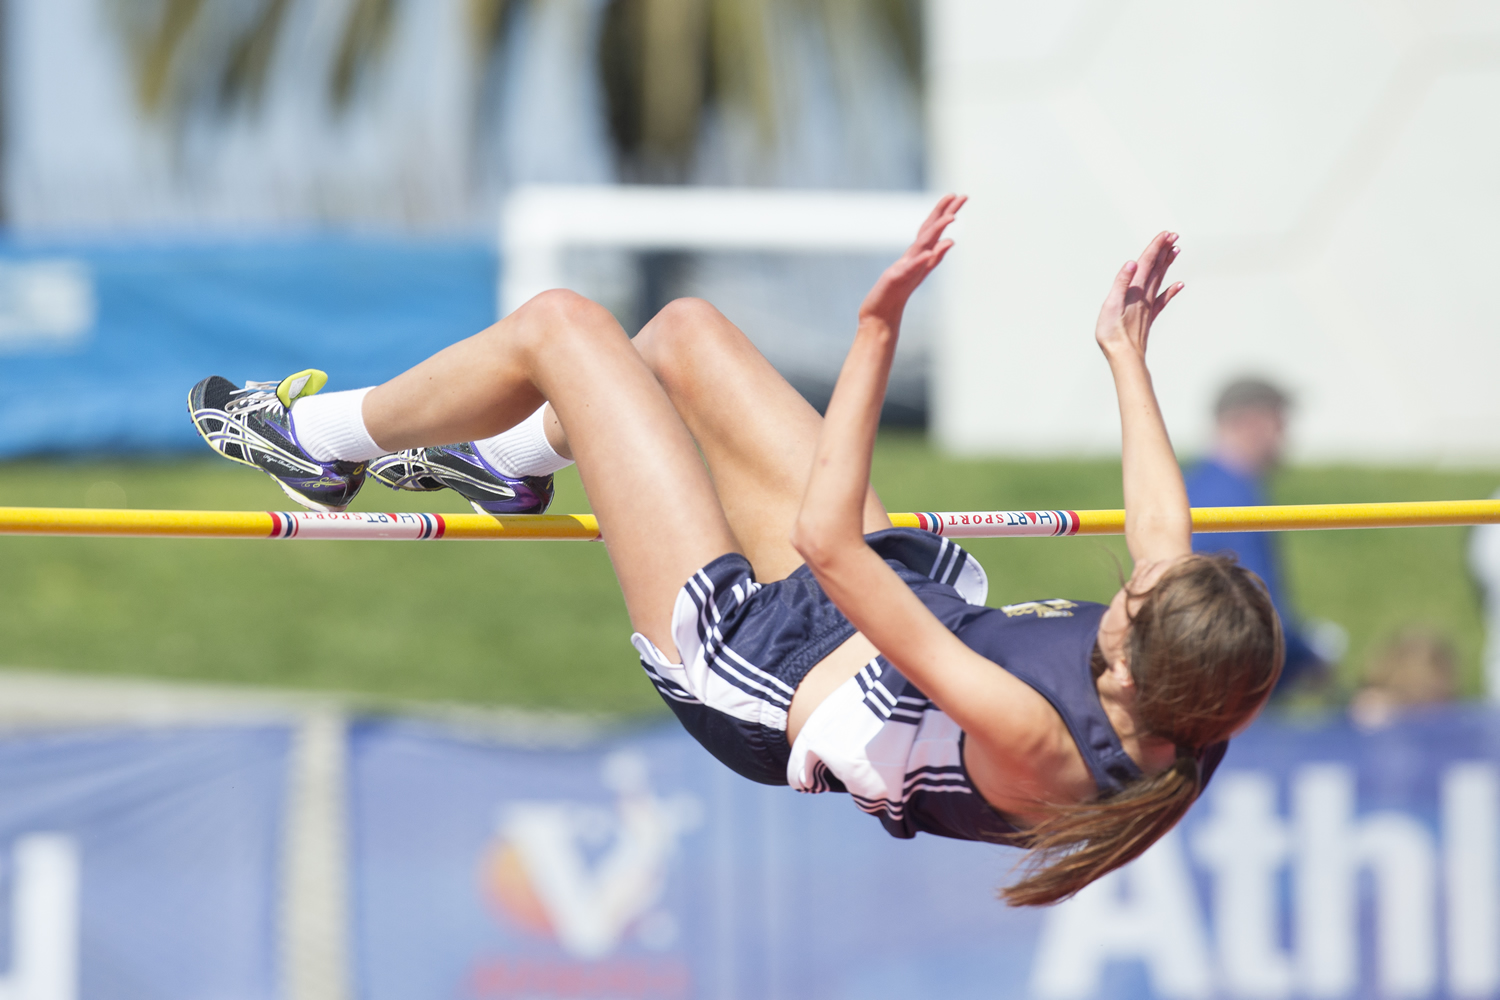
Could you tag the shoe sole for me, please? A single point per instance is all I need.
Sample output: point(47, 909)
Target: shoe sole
point(408, 489)
point(321, 508)
point(480, 510)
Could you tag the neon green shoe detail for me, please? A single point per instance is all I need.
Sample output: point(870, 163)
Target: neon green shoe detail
point(303, 383)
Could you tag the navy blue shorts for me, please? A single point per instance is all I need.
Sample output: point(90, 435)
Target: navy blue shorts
point(745, 646)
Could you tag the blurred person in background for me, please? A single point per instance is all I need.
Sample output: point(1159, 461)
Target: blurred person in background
point(1249, 437)
point(1418, 667)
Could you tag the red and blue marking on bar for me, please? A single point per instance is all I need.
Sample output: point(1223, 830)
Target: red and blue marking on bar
point(311, 524)
point(999, 523)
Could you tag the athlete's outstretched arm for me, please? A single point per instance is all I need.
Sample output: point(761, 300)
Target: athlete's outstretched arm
point(833, 505)
point(999, 712)
point(1158, 522)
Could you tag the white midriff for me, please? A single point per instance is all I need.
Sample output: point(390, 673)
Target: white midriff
point(825, 677)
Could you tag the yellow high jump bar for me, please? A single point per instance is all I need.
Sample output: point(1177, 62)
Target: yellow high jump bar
point(583, 527)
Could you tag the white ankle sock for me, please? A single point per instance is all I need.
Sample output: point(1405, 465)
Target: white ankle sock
point(523, 450)
point(331, 427)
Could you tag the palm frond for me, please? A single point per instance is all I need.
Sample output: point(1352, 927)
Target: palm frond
point(663, 62)
point(850, 25)
point(742, 72)
point(906, 26)
point(672, 91)
point(214, 54)
point(902, 20)
point(653, 58)
point(244, 79)
point(366, 32)
point(154, 31)
point(620, 70)
point(488, 21)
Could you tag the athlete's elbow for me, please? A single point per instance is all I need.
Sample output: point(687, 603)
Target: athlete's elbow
point(809, 542)
point(818, 544)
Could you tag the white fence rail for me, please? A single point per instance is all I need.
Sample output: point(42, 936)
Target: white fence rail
point(540, 223)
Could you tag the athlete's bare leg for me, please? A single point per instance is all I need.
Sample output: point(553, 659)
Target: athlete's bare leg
point(757, 433)
point(755, 430)
point(759, 436)
point(656, 505)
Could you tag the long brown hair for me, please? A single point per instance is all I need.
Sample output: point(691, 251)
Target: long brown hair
point(1205, 650)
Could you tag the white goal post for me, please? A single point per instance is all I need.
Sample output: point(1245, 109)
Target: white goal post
point(540, 223)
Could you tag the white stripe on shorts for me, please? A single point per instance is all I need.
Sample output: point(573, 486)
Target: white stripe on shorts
point(710, 672)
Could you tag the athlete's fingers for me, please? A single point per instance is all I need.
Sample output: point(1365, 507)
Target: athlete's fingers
point(1116, 298)
point(925, 230)
point(1166, 258)
point(938, 253)
point(938, 211)
point(930, 234)
point(1151, 264)
point(941, 218)
point(1159, 302)
point(1165, 297)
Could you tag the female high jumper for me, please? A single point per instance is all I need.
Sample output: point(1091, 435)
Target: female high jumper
point(797, 635)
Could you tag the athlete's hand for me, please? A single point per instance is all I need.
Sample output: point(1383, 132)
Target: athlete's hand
point(1136, 298)
point(887, 300)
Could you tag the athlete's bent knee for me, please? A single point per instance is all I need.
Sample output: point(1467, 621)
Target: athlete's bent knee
point(561, 307)
point(690, 312)
point(683, 326)
point(559, 316)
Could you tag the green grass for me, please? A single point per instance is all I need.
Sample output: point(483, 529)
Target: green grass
point(1379, 582)
point(541, 625)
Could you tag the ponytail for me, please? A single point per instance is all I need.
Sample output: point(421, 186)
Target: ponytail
point(1079, 843)
point(1205, 650)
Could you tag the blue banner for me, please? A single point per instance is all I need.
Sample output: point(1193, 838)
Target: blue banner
point(99, 345)
point(140, 864)
point(645, 869)
point(1323, 862)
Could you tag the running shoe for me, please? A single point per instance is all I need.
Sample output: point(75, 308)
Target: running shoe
point(253, 426)
point(406, 470)
point(460, 467)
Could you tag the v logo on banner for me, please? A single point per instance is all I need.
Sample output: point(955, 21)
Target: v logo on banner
point(591, 905)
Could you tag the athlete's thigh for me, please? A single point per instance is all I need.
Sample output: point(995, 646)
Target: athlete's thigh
point(657, 508)
point(756, 432)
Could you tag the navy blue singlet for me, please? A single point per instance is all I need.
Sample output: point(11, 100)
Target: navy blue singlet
point(1046, 644)
point(745, 646)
